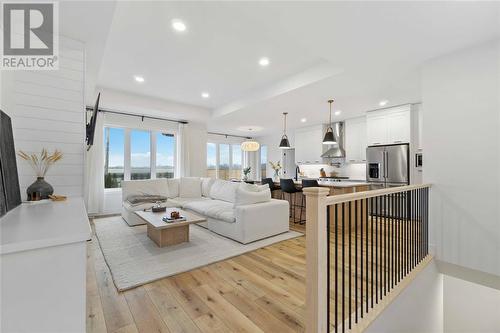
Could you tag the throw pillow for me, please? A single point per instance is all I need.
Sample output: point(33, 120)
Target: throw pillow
point(206, 185)
point(248, 196)
point(190, 187)
point(173, 187)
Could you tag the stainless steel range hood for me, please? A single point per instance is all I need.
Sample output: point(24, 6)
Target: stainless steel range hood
point(336, 150)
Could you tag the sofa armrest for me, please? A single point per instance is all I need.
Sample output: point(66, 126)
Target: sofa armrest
point(263, 220)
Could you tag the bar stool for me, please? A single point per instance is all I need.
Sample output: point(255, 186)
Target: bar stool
point(309, 183)
point(288, 186)
point(270, 183)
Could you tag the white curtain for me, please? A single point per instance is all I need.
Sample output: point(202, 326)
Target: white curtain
point(94, 170)
point(182, 168)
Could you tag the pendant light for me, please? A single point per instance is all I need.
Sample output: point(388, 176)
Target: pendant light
point(284, 143)
point(329, 138)
point(250, 144)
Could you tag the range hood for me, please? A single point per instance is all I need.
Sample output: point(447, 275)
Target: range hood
point(336, 150)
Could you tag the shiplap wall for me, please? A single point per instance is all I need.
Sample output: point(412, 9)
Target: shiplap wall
point(47, 111)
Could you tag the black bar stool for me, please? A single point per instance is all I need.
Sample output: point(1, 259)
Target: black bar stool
point(270, 183)
point(309, 183)
point(288, 186)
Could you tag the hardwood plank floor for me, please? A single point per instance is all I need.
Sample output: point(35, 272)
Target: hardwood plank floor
point(260, 291)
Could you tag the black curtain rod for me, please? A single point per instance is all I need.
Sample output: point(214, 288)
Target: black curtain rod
point(226, 135)
point(88, 108)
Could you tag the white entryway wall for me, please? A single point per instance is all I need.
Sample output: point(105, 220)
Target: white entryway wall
point(47, 111)
point(461, 144)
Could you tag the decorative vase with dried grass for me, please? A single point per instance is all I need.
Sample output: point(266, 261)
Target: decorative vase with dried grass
point(40, 163)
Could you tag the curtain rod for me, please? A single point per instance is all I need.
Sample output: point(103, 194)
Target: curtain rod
point(88, 108)
point(226, 135)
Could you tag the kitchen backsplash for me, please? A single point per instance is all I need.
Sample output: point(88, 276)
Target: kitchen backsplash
point(353, 171)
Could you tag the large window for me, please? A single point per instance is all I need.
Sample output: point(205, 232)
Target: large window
point(263, 161)
point(137, 154)
point(114, 162)
point(224, 161)
point(165, 155)
point(140, 154)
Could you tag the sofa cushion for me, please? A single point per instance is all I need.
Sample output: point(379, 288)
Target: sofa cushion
point(223, 190)
point(206, 185)
point(173, 187)
point(180, 202)
point(190, 187)
point(217, 209)
point(247, 194)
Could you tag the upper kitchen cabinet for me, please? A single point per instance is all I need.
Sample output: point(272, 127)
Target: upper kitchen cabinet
point(308, 145)
point(355, 140)
point(389, 126)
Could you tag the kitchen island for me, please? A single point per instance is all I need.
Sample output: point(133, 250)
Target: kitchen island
point(339, 187)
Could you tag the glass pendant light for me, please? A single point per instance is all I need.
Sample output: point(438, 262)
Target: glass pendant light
point(284, 143)
point(250, 144)
point(329, 138)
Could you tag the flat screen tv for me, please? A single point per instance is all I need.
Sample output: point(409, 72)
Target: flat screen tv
point(90, 128)
point(10, 195)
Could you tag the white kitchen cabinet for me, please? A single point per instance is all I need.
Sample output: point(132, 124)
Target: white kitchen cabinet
point(355, 139)
point(389, 126)
point(308, 145)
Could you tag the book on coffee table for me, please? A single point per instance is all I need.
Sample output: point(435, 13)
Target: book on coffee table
point(168, 219)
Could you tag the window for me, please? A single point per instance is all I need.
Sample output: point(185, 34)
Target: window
point(211, 160)
point(263, 161)
point(236, 165)
point(224, 161)
point(114, 139)
point(137, 154)
point(140, 154)
point(165, 155)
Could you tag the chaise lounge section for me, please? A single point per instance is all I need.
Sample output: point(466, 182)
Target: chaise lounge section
point(240, 211)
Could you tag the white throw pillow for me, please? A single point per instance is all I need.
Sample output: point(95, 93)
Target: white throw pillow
point(190, 187)
point(223, 190)
point(173, 187)
point(206, 185)
point(248, 195)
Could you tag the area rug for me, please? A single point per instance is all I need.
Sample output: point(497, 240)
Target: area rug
point(134, 259)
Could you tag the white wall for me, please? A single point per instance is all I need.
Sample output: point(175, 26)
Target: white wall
point(273, 152)
point(47, 111)
point(461, 126)
point(418, 309)
point(470, 307)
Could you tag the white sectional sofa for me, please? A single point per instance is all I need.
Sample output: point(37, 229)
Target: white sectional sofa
point(240, 211)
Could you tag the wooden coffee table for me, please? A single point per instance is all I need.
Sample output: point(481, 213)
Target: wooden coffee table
point(167, 234)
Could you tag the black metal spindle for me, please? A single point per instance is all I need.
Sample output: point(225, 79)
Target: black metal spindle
point(376, 249)
point(367, 236)
point(356, 261)
point(393, 270)
point(336, 266)
point(343, 266)
point(349, 263)
point(372, 209)
point(386, 244)
point(328, 265)
point(363, 239)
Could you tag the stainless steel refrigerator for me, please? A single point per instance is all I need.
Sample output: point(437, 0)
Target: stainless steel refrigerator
point(388, 166)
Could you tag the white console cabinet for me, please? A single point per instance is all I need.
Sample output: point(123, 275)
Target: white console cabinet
point(43, 265)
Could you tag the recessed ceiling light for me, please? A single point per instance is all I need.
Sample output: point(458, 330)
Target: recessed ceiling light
point(178, 25)
point(205, 95)
point(264, 61)
point(139, 78)
point(303, 120)
point(383, 102)
point(338, 112)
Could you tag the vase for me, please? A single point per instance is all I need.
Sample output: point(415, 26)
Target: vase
point(276, 176)
point(40, 189)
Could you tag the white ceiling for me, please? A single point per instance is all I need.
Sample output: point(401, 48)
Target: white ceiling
point(354, 52)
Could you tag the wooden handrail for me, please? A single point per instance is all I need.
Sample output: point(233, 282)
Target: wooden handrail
point(335, 199)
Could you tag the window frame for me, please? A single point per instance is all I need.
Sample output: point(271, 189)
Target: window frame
point(217, 156)
point(153, 150)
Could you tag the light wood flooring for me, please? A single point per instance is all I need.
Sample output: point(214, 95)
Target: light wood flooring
point(261, 291)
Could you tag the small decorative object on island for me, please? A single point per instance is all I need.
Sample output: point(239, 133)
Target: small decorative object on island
point(276, 167)
point(246, 172)
point(41, 163)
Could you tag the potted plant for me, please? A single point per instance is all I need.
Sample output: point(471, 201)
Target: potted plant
point(276, 167)
point(246, 172)
point(40, 163)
